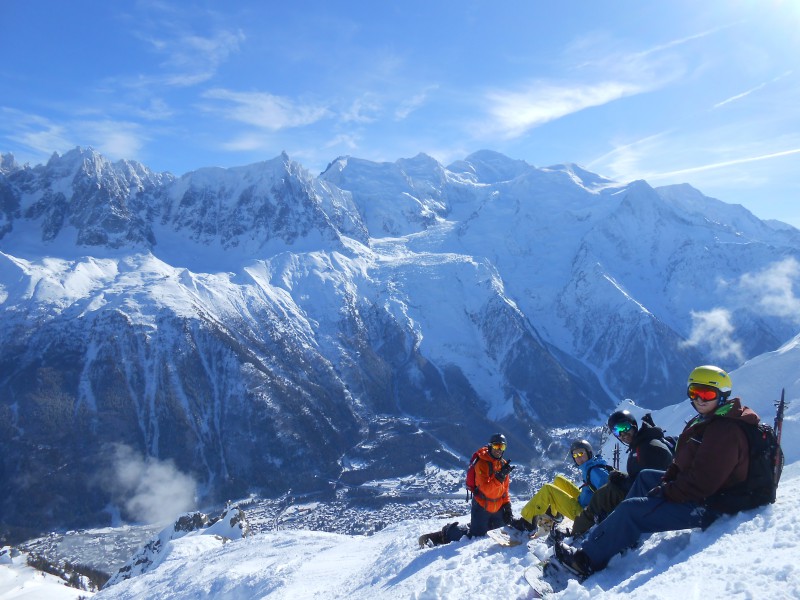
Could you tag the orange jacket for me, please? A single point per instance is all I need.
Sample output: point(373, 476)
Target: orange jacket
point(489, 493)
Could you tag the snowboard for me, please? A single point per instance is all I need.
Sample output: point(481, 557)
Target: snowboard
point(534, 575)
point(508, 536)
point(549, 577)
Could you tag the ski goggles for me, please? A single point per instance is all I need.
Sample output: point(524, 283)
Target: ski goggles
point(621, 428)
point(704, 393)
point(499, 447)
point(578, 453)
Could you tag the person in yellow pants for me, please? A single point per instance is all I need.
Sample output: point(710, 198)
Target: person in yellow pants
point(562, 497)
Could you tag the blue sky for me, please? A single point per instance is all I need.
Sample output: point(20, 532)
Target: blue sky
point(668, 91)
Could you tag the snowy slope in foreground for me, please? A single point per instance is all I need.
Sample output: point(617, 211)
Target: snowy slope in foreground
point(21, 582)
point(751, 555)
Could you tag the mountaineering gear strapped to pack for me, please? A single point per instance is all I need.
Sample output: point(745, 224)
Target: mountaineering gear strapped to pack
point(778, 467)
point(764, 471)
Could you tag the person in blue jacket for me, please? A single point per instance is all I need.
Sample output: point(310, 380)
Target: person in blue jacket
point(562, 497)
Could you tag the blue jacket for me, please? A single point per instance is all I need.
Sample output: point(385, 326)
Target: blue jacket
point(592, 478)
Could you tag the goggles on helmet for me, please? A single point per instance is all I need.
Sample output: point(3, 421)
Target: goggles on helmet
point(499, 447)
point(621, 428)
point(578, 453)
point(704, 393)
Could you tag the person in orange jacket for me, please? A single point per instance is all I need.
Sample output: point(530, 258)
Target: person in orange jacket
point(491, 507)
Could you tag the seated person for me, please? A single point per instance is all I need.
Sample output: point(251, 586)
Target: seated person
point(562, 497)
point(647, 449)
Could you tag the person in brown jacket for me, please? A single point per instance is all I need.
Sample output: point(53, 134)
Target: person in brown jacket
point(712, 455)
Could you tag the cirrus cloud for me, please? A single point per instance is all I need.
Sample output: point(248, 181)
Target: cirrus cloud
point(265, 110)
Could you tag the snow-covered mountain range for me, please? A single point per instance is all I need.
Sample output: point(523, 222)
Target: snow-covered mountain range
point(262, 328)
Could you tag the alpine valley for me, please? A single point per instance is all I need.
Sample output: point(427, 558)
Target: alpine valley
point(266, 331)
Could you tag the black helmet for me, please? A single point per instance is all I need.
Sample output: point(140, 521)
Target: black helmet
point(581, 445)
point(622, 416)
point(497, 438)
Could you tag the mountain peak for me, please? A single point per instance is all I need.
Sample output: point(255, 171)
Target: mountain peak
point(488, 166)
point(584, 178)
point(8, 163)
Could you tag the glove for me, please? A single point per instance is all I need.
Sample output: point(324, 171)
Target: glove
point(508, 516)
point(656, 492)
point(618, 478)
point(503, 472)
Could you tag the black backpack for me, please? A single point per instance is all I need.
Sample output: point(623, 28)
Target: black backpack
point(670, 441)
point(763, 474)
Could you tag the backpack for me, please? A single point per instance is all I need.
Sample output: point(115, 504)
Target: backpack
point(670, 441)
point(470, 482)
point(588, 482)
point(766, 465)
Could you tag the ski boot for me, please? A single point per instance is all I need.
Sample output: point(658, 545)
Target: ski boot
point(574, 560)
point(545, 523)
point(520, 524)
point(436, 538)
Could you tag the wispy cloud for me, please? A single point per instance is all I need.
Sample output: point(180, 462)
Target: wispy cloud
point(607, 76)
point(773, 289)
point(409, 106)
point(347, 140)
point(193, 59)
point(513, 113)
point(116, 139)
point(739, 96)
point(625, 158)
point(187, 58)
point(714, 330)
point(684, 40)
point(364, 109)
point(246, 142)
point(265, 110)
point(750, 91)
point(33, 131)
point(722, 164)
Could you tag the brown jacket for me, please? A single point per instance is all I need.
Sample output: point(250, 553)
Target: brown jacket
point(712, 454)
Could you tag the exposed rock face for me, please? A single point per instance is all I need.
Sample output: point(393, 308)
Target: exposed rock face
point(230, 525)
